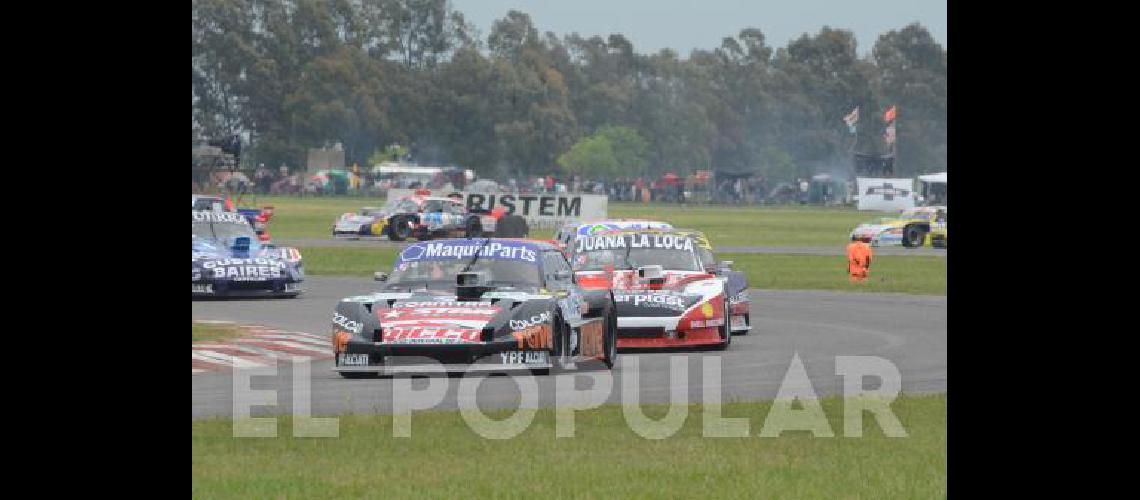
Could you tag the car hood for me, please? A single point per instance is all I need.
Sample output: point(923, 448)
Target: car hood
point(681, 291)
point(440, 318)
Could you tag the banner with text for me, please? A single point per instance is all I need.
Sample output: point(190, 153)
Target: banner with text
point(539, 209)
point(885, 194)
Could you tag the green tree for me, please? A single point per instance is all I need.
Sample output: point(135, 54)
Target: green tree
point(629, 150)
point(592, 158)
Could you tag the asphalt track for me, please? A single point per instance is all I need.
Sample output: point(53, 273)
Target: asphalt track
point(373, 242)
point(907, 330)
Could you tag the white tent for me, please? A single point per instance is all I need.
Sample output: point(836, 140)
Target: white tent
point(932, 188)
point(939, 178)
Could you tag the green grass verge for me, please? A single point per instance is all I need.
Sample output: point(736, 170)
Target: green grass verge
point(446, 459)
point(312, 217)
point(207, 331)
point(909, 274)
point(902, 274)
point(347, 261)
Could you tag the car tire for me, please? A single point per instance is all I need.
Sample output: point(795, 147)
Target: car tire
point(399, 230)
point(511, 226)
point(725, 329)
point(913, 236)
point(609, 342)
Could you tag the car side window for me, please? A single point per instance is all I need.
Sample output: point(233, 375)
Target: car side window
point(707, 259)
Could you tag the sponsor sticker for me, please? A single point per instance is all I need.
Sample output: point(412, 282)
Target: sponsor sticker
point(522, 324)
point(347, 324)
point(204, 216)
point(430, 335)
point(525, 357)
point(535, 337)
point(461, 251)
point(202, 288)
point(657, 300)
point(344, 359)
point(654, 241)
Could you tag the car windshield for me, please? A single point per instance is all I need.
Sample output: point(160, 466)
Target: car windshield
point(915, 214)
point(671, 252)
point(222, 232)
point(400, 206)
point(440, 274)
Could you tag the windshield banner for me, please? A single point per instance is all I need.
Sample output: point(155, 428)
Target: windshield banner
point(454, 250)
point(654, 241)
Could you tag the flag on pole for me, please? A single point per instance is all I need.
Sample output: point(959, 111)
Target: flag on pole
point(889, 115)
point(851, 119)
point(889, 134)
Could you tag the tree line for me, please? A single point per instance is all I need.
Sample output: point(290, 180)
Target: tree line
point(296, 74)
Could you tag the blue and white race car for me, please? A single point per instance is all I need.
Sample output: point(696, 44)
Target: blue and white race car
point(229, 261)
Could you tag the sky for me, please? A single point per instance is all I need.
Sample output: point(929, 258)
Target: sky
point(684, 25)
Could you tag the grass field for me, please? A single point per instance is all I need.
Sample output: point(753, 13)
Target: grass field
point(312, 217)
point(211, 331)
point(445, 459)
point(917, 275)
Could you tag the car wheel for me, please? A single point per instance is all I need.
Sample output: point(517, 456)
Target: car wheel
point(609, 341)
point(913, 236)
point(399, 230)
point(725, 330)
point(511, 226)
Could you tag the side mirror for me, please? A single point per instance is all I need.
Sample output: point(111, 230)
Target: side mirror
point(379, 276)
point(563, 275)
point(654, 272)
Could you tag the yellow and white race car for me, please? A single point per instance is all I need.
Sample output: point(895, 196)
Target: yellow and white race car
point(915, 227)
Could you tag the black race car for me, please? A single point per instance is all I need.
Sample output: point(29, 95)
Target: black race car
point(475, 304)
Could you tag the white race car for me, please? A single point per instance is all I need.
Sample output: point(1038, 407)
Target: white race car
point(909, 228)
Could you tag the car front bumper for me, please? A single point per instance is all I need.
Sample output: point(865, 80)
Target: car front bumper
point(267, 288)
point(394, 358)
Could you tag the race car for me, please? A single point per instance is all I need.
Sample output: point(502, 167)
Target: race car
point(229, 261)
point(909, 229)
point(566, 234)
point(257, 217)
point(427, 217)
point(735, 282)
point(475, 305)
point(665, 297)
point(371, 221)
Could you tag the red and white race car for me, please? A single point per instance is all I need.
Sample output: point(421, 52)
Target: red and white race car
point(664, 295)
